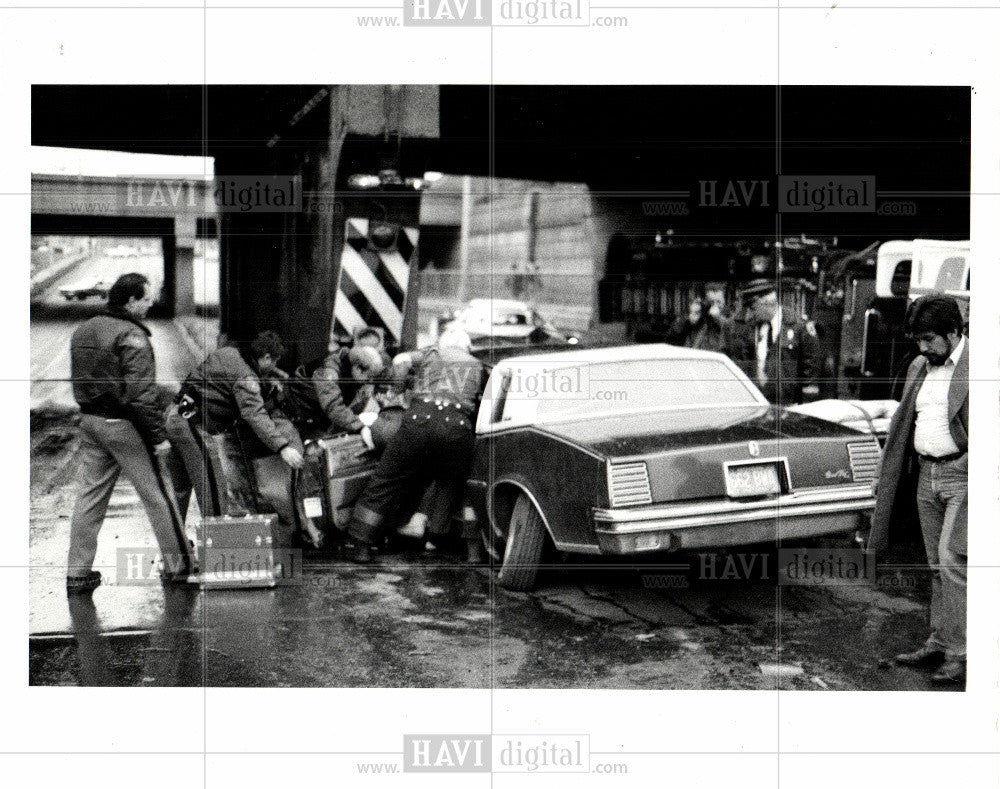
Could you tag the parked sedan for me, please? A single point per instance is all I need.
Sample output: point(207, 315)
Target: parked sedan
point(652, 448)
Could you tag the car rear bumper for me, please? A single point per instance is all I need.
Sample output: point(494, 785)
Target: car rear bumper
point(721, 522)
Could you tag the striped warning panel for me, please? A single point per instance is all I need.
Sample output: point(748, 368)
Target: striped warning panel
point(371, 290)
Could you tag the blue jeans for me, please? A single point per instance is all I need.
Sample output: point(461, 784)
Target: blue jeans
point(942, 504)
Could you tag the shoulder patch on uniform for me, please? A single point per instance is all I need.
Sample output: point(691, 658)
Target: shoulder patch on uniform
point(134, 340)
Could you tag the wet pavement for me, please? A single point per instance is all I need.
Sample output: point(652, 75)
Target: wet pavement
point(420, 620)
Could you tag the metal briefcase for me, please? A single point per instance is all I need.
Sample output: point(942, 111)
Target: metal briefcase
point(236, 552)
point(344, 465)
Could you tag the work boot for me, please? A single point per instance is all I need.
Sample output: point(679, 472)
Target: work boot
point(358, 551)
point(952, 672)
point(927, 656)
point(82, 584)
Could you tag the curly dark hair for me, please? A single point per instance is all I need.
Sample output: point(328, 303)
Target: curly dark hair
point(267, 342)
point(936, 314)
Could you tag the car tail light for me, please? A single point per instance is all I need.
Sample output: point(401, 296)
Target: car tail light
point(864, 456)
point(628, 484)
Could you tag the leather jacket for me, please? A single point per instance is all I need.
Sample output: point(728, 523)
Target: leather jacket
point(114, 372)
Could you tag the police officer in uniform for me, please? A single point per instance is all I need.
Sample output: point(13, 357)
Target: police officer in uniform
point(260, 448)
point(786, 356)
point(434, 444)
point(122, 432)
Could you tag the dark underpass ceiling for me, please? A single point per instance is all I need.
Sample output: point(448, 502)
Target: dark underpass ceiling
point(624, 140)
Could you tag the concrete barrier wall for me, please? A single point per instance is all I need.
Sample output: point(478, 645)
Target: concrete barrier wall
point(528, 241)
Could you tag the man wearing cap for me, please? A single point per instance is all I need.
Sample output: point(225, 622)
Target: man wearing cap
point(929, 437)
point(434, 444)
point(785, 356)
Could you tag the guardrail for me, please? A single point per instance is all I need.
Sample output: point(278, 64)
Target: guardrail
point(43, 279)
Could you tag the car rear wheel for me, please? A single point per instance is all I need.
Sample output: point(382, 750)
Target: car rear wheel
point(525, 540)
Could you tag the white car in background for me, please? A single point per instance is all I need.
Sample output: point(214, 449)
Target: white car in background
point(506, 322)
point(85, 288)
point(122, 251)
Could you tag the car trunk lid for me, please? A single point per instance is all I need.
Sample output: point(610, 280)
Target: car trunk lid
point(682, 454)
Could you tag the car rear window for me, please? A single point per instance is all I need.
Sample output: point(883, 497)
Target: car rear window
point(642, 384)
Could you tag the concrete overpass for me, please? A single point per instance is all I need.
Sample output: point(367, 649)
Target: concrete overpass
point(626, 144)
point(176, 210)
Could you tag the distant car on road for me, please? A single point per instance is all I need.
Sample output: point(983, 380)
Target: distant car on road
point(652, 448)
point(122, 251)
point(506, 322)
point(85, 288)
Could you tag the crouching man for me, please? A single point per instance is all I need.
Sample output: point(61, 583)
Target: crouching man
point(434, 443)
point(259, 447)
point(329, 398)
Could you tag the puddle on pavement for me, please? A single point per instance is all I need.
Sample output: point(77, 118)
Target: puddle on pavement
point(431, 623)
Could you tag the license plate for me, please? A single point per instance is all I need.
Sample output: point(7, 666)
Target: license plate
point(753, 479)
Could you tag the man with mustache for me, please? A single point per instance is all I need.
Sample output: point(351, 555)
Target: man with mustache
point(929, 437)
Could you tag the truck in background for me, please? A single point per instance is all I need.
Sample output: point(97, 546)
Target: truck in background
point(878, 284)
point(855, 299)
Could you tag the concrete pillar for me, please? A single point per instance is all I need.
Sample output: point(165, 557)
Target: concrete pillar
point(185, 235)
point(178, 268)
point(274, 273)
point(461, 292)
point(279, 270)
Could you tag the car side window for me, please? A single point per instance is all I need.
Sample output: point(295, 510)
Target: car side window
point(495, 397)
point(503, 386)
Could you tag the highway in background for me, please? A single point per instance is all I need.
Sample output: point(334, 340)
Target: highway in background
point(53, 320)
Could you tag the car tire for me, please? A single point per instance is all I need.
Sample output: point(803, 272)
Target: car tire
point(523, 552)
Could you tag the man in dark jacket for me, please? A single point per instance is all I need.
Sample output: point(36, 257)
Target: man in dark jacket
point(122, 431)
point(338, 389)
point(715, 331)
point(929, 437)
point(434, 444)
point(259, 446)
point(786, 355)
point(683, 330)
